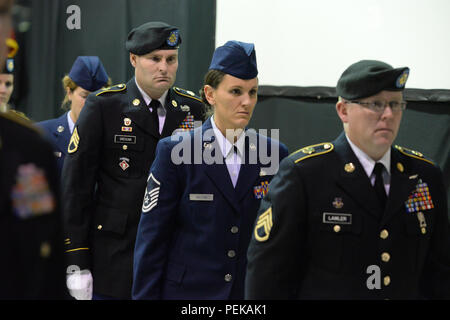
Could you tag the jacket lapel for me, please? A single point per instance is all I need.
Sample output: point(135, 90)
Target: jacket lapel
point(403, 182)
point(248, 172)
point(62, 138)
point(138, 111)
point(353, 180)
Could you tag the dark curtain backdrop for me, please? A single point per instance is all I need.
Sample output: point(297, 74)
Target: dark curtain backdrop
point(50, 47)
point(307, 116)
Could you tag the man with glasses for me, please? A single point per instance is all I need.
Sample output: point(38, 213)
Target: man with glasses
point(356, 218)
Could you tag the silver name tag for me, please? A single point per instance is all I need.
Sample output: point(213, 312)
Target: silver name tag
point(201, 197)
point(124, 139)
point(337, 218)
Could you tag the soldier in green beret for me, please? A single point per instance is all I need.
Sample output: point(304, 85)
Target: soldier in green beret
point(359, 217)
point(109, 157)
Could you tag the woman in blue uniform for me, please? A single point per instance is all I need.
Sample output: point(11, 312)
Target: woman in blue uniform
point(204, 190)
point(87, 75)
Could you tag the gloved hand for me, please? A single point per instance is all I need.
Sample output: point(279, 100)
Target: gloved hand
point(80, 284)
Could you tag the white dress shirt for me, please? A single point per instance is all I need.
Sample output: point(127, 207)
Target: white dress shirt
point(232, 160)
point(70, 122)
point(161, 110)
point(369, 164)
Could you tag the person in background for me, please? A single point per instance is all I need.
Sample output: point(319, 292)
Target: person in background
point(109, 157)
point(32, 265)
point(359, 217)
point(197, 217)
point(7, 76)
point(86, 76)
point(7, 80)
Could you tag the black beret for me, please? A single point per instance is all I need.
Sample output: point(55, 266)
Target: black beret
point(369, 77)
point(152, 36)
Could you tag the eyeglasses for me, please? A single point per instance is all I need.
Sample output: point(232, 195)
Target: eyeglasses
point(379, 106)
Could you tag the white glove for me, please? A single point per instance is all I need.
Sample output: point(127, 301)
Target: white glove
point(79, 284)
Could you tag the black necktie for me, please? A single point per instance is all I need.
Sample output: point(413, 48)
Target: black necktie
point(234, 165)
point(379, 184)
point(235, 150)
point(155, 104)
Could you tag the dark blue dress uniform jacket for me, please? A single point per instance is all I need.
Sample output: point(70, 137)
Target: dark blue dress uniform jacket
point(32, 263)
point(329, 234)
point(104, 177)
point(187, 248)
point(58, 132)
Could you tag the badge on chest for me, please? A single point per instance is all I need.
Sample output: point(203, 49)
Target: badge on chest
point(337, 218)
point(261, 190)
point(420, 201)
point(124, 139)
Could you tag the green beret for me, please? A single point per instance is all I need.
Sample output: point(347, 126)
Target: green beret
point(152, 36)
point(369, 77)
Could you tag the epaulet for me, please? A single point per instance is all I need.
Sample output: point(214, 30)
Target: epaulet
point(19, 113)
point(187, 93)
point(311, 151)
point(115, 88)
point(413, 154)
point(22, 120)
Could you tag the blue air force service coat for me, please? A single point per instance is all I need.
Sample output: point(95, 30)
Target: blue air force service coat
point(321, 233)
point(195, 226)
point(58, 132)
point(104, 177)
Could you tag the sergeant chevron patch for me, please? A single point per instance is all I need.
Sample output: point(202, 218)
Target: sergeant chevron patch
point(263, 226)
point(74, 140)
point(151, 194)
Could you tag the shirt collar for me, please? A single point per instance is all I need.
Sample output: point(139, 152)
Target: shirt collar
point(225, 145)
point(70, 122)
point(147, 98)
point(367, 162)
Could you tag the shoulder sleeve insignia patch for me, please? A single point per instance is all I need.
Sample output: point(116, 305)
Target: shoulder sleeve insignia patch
point(115, 88)
point(413, 154)
point(263, 226)
point(187, 93)
point(311, 151)
point(74, 140)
